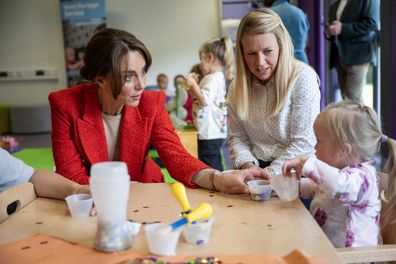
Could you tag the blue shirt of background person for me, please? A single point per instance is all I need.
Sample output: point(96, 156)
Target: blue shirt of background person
point(13, 171)
point(296, 23)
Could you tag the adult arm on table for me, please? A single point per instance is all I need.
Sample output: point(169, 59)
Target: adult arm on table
point(52, 185)
point(190, 171)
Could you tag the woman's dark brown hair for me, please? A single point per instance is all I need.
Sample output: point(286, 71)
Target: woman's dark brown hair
point(106, 53)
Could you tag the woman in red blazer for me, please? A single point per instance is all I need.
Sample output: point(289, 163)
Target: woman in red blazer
point(112, 118)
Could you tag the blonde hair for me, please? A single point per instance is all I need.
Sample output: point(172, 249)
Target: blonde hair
point(263, 21)
point(222, 49)
point(350, 122)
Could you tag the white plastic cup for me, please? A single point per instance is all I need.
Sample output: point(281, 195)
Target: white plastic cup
point(260, 190)
point(198, 233)
point(109, 184)
point(80, 205)
point(162, 241)
point(285, 187)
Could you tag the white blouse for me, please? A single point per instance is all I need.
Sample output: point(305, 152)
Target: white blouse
point(283, 136)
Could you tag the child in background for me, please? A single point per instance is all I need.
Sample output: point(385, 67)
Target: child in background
point(162, 82)
point(182, 99)
point(198, 75)
point(9, 143)
point(341, 178)
point(211, 113)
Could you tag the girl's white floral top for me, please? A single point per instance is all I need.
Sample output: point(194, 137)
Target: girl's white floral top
point(345, 202)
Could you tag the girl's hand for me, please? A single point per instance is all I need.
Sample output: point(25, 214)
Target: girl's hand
point(191, 79)
point(296, 164)
point(195, 91)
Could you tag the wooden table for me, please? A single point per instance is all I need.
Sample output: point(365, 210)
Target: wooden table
point(241, 226)
point(189, 139)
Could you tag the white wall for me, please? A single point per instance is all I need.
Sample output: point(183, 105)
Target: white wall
point(32, 38)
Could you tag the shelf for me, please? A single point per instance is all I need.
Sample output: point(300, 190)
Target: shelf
point(24, 79)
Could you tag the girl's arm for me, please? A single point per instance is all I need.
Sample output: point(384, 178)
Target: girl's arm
point(344, 185)
point(194, 90)
point(53, 185)
point(307, 188)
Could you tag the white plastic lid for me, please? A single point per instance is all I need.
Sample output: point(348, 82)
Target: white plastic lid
point(109, 171)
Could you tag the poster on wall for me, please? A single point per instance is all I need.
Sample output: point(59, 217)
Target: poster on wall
point(80, 20)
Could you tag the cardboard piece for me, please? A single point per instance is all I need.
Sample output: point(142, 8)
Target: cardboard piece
point(45, 249)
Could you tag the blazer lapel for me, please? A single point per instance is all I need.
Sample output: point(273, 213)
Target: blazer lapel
point(133, 139)
point(90, 128)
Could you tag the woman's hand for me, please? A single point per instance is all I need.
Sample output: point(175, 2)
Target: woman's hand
point(297, 164)
point(82, 189)
point(248, 165)
point(234, 181)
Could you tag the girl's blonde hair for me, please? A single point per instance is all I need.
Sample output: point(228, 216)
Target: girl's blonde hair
point(222, 49)
point(263, 21)
point(350, 122)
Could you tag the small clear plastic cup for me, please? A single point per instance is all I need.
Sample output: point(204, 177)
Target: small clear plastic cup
point(161, 239)
point(285, 187)
point(198, 232)
point(79, 205)
point(260, 190)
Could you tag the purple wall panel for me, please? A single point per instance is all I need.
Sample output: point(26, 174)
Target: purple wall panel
point(393, 67)
point(316, 45)
point(235, 10)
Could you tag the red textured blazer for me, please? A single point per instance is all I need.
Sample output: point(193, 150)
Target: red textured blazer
point(78, 137)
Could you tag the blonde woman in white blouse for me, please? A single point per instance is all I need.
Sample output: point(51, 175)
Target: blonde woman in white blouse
point(274, 98)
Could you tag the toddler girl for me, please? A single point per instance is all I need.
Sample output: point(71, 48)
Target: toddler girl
point(210, 112)
point(341, 177)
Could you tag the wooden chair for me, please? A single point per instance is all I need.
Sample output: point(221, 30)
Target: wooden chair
point(380, 253)
point(15, 198)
